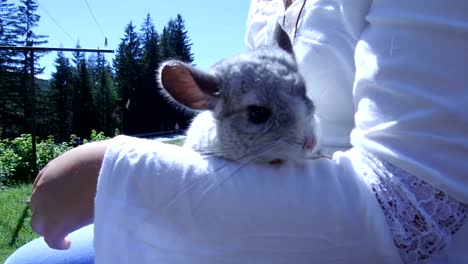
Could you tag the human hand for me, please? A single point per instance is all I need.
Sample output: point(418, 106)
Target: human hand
point(63, 196)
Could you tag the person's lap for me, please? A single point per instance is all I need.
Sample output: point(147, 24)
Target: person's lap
point(37, 251)
point(340, 184)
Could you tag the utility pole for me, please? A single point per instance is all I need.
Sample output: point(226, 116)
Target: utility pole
point(32, 101)
point(32, 90)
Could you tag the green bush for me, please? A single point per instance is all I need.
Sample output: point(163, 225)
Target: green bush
point(95, 136)
point(48, 150)
point(16, 160)
point(16, 156)
point(9, 162)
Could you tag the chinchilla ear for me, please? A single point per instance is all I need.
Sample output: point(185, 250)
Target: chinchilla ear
point(189, 86)
point(282, 40)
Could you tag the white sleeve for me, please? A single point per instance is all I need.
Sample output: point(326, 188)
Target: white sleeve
point(324, 44)
point(248, 34)
point(157, 203)
point(411, 90)
point(261, 14)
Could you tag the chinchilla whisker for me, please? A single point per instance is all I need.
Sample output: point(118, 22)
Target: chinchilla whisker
point(260, 151)
point(219, 175)
point(210, 177)
point(215, 151)
point(293, 142)
point(220, 152)
point(239, 163)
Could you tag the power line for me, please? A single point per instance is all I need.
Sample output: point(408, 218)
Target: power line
point(95, 21)
point(55, 21)
point(46, 49)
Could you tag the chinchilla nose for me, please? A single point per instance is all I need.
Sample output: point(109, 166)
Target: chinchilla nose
point(309, 142)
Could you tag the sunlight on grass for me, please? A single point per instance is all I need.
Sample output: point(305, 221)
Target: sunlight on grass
point(12, 204)
point(178, 142)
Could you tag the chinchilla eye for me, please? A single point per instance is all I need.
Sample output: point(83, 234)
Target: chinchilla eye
point(258, 114)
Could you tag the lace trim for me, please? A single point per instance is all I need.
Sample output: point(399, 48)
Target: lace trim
point(421, 218)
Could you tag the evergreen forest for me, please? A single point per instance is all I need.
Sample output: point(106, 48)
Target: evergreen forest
point(86, 92)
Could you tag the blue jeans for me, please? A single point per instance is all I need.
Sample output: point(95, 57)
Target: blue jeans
point(37, 251)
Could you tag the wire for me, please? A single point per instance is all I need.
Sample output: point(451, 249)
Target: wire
point(55, 21)
point(95, 21)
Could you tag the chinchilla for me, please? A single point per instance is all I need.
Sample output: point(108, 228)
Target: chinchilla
point(253, 106)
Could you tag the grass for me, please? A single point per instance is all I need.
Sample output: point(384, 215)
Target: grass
point(12, 207)
point(178, 142)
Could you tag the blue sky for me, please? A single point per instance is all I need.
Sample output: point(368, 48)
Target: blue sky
point(216, 28)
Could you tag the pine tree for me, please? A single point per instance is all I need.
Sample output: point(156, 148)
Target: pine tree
point(60, 98)
point(166, 45)
point(10, 99)
point(46, 115)
point(104, 97)
point(128, 69)
point(92, 63)
point(137, 59)
point(151, 56)
point(181, 40)
point(153, 107)
point(78, 56)
point(7, 35)
point(176, 44)
point(26, 21)
point(83, 120)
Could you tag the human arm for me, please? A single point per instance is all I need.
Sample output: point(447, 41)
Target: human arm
point(63, 197)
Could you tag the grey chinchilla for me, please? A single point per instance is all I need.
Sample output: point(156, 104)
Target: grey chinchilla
point(253, 106)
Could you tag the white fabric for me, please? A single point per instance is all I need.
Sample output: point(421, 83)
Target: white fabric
point(411, 89)
point(157, 203)
point(411, 78)
point(324, 44)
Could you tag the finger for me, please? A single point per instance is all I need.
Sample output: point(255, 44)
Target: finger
point(38, 177)
point(36, 215)
point(58, 243)
point(36, 224)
